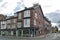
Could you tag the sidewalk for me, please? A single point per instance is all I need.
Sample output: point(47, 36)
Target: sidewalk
point(41, 36)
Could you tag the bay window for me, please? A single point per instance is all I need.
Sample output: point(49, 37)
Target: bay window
point(3, 24)
point(19, 24)
point(27, 13)
point(26, 22)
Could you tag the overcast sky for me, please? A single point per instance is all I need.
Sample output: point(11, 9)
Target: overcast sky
point(10, 6)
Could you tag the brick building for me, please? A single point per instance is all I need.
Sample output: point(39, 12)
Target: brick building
point(31, 20)
point(11, 25)
point(2, 17)
point(27, 22)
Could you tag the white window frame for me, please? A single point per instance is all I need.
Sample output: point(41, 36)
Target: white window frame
point(14, 20)
point(26, 22)
point(27, 13)
point(3, 24)
point(19, 24)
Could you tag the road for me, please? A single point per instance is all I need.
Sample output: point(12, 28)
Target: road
point(53, 36)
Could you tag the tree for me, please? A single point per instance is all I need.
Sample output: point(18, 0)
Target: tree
point(56, 28)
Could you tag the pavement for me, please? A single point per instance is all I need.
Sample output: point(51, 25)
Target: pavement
point(51, 36)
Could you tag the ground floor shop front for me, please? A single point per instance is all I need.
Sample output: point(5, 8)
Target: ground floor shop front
point(25, 32)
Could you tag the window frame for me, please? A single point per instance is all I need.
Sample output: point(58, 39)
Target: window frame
point(14, 20)
point(26, 22)
point(27, 13)
point(8, 26)
point(19, 24)
point(19, 16)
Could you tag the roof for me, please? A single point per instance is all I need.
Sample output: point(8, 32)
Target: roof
point(30, 8)
point(46, 19)
point(25, 9)
point(10, 17)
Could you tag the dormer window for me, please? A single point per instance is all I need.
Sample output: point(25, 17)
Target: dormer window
point(27, 13)
point(19, 24)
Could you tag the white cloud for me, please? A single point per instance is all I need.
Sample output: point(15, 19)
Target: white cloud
point(47, 5)
point(8, 6)
point(54, 24)
point(50, 5)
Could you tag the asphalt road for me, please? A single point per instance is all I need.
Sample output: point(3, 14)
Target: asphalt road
point(54, 36)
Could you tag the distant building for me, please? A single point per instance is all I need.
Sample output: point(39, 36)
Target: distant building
point(47, 25)
point(54, 29)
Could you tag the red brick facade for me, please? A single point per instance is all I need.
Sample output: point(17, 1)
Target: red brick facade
point(37, 21)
